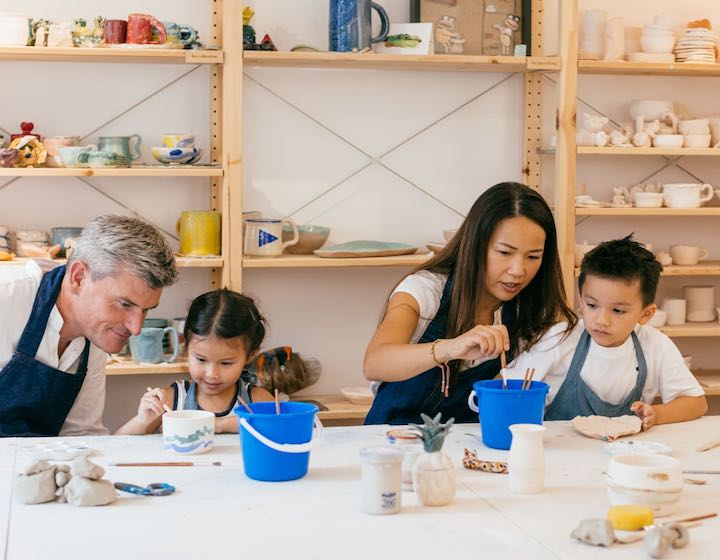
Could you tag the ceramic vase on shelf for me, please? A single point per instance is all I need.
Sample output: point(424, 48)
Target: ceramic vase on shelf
point(433, 472)
point(526, 462)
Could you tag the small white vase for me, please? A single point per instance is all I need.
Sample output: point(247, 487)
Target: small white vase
point(434, 479)
point(526, 461)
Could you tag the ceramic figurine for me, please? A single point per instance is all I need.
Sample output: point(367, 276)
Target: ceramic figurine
point(26, 128)
point(31, 152)
point(266, 44)
point(82, 35)
point(447, 36)
point(8, 157)
point(433, 472)
point(39, 32)
point(97, 32)
point(506, 31)
point(619, 200)
point(248, 31)
point(592, 132)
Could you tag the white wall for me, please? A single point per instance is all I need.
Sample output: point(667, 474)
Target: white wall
point(304, 132)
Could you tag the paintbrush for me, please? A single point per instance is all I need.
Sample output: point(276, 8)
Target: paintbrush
point(165, 406)
point(708, 445)
point(277, 401)
point(169, 464)
point(701, 471)
point(242, 402)
point(503, 358)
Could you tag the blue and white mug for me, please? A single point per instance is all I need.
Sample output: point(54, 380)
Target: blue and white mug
point(263, 237)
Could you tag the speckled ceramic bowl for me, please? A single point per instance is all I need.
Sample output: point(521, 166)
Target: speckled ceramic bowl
point(311, 238)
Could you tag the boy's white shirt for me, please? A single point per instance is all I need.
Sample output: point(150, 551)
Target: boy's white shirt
point(610, 372)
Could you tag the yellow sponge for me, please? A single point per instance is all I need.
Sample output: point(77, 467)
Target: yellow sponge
point(629, 518)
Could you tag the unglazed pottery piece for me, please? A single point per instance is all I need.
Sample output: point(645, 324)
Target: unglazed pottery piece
point(606, 428)
point(365, 248)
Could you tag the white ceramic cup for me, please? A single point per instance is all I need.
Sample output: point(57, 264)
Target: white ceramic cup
point(695, 126)
point(697, 140)
point(648, 199)
point(676, 311)
point(658, 319)
point(263, 237)
point(188, 432)
point(687, 195)
point(700, 303)
point(687, 255)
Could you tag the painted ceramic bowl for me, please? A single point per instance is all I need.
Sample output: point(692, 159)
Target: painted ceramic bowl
point(177, 155)
point(310, 238)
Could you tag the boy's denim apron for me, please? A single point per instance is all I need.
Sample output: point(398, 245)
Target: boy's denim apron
point(35, 398)
point(401, 402)
point(575, 398)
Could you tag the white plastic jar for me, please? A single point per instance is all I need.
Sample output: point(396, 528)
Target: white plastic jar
point(381, 487)
point(412, 448)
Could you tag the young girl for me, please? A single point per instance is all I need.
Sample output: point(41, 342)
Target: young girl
point(496, 287)
point(223, 331)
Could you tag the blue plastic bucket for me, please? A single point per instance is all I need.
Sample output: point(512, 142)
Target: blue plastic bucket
point(274, 446)
point(499, 408)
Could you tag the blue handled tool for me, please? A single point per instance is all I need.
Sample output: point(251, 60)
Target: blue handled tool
point(154, 489)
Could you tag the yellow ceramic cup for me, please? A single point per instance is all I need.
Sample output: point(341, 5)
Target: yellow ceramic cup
point(199, 233)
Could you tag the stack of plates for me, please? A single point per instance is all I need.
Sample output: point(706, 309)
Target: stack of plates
point(651, 57)
point(697, 46)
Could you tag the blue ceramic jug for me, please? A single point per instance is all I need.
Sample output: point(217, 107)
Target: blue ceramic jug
point(120, 145)
point(351, 25)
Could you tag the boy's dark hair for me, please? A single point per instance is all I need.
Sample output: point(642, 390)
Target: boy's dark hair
point(623, 259)
point(225, 314)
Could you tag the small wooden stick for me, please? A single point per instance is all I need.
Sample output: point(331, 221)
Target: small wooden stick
point(694, 518)
point(525, 378)
point(165, 406)
point(277, 401)
point(708, 445)
point(530, 378)
point(242, 402)
point(170, 464)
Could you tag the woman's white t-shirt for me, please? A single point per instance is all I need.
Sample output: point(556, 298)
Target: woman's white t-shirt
point(610, 372)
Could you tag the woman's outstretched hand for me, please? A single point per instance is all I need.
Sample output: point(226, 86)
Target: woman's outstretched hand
point(480, 342)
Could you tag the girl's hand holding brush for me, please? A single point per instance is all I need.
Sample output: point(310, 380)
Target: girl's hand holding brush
point(152, 404)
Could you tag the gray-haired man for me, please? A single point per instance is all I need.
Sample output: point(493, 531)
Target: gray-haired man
point(56, 329)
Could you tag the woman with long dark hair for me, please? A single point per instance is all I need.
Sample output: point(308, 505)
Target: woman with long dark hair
point(496, 286)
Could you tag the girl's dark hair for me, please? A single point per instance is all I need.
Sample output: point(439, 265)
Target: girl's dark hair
point(225, 314)
point(541, 304)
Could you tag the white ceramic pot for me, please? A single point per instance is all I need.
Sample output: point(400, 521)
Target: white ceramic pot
point(526, 460)
point(649, 109)
point(648, 199)
point(188, 431)
point(700, 303)
point(694, 126)
point(654, 481)
point(668, 141)
point(657, 44)
point(14, 30)
point(697, 140)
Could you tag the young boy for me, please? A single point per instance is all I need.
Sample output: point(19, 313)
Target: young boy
point(611, 363)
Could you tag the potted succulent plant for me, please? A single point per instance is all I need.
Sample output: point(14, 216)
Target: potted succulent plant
point(433, 472)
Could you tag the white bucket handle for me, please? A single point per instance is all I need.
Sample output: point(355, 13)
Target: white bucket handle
point(471, 401)
point(287, 447)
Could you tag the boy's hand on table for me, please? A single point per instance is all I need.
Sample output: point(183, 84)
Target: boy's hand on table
point(645, 412)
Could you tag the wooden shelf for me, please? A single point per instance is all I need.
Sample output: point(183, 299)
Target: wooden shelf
point(692, 330)
point(132, 368)
point(715, 374)
point(313, 261)
point(372, 61)
point(339, 408)
point(703, 268)
point(668, 212)
point(111, 54)
point(182, 262)
point(647, 68)
point(135, 171)
point(614, 151)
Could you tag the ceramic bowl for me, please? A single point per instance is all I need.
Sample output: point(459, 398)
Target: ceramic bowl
point(654, 481)
point(657, 43)
point(648, 199)
point(188, 431)
point(668, 141)
point(659, 319)
point(448, 234)
point(177, 155)
point(310, 238)
point(358, 395)
point(697, 140)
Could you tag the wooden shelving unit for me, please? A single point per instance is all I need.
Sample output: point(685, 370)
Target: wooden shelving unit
point(313, 261)
point(638, 212)
point(615, 151)
point(132, 368)
point(618, 67)
point(707, 374)
point(182, 262)
point(692, 330)
point(112, 55)
point(372, 61)
point(703, 268)
point(339, 408)
point(134, 171)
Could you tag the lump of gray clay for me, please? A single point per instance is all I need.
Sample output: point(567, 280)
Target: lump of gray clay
point(84, 492)
point(598, 532)
point(38, 467)
point(36, 488)
point(81, 466)
point(658, 540)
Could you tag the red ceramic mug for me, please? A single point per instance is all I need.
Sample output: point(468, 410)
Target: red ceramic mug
point(115, 31)
point(140, 30)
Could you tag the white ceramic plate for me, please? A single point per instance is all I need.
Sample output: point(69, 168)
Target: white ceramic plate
point(624, 446)
point(365, 248)
point(57, 450)
point(358, 395)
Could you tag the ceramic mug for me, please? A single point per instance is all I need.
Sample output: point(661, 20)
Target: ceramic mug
point(350, 27)
point(687, 195)
point(115, 31)
point(189, 432)
point(182, 35)
point(102, 158)
point(144, 29)
point(76, 156)
point(121, 146)
point(676, 311)
point(687, 255)
point(199, 233)
point(700, 303)
point(263, 237)
point(53, 144)
point(147, 347)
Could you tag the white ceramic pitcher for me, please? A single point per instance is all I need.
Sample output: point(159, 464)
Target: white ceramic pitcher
point(526, 462)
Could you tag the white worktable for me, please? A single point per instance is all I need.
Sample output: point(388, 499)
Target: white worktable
point(217, 512)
